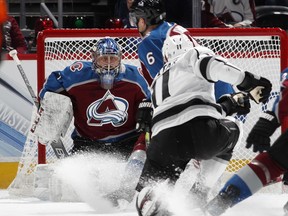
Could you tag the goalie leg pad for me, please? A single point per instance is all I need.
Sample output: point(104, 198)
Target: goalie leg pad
point(60, 191)
point(54, 117)
point(42, 175)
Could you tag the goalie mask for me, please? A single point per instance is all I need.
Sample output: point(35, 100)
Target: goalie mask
point(152, 11)
point(106, 61)
point(176, 45)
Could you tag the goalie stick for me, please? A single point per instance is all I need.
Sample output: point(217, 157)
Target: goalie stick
point(57, 146)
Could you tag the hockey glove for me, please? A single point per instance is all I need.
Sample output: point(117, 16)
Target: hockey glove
point(235, 103)
point(259, 88)
point(144, 116)
point(260, 134)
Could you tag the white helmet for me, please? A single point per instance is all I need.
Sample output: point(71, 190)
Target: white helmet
point(176, 45)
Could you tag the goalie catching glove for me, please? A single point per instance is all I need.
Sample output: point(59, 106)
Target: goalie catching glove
point(144, 116)
point(235, 103)
point(258, 88)
point(260, 134)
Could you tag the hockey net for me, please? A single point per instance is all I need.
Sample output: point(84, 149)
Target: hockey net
point(261, 51)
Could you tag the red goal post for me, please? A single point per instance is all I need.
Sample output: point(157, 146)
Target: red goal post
point(260, 50)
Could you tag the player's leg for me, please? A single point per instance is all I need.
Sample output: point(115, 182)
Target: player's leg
point(285, 182)
point(171, 149)
point(201, 138)
point(211, 170)
point(160, 165)
point(285, 208)
point(264, 169)
point(130, 176)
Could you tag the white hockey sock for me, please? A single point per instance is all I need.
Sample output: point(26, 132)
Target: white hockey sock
point(211, 171)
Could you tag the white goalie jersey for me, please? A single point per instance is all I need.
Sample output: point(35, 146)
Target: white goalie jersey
point(185, 86)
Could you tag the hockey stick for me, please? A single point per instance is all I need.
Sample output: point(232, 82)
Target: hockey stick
point(255, 93)
point(13, 54)
point(57, 146)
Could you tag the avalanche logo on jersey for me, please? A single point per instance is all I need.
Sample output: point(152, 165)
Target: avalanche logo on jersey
point(108, 110)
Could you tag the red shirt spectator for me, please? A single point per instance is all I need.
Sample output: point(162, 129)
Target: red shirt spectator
point(3, 17)
point(13, 37)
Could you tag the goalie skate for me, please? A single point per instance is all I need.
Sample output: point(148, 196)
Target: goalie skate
point(222, 202)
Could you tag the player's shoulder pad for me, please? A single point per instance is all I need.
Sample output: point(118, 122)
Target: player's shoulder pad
point(156, 36)
point(204, 50)
point(134, 74)
point(79, 69)
point(78, 66)
point(284, 75)
point(131, 71)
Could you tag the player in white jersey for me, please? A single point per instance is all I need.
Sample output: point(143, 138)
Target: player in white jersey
point(187, 122)
point(236, 13)
point(149, 18)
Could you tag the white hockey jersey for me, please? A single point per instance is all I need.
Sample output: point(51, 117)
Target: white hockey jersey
point(236, 11)
point(183, 89)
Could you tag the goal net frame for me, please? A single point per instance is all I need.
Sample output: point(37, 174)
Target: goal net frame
point(266, 38)
point(243, 33)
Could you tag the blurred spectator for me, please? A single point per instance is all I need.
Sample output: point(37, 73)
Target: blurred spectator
point(179, 12)
point(277, 2)
point(3, 18)
point(273, 14)
point(13, 37)
point(185, 17)
point(237, 13)
point(114, 23)
point(41, 24)
point(121, 11)
point(259, 2)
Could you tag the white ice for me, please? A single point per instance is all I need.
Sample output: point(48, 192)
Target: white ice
point(91, 176)
point(257, 205)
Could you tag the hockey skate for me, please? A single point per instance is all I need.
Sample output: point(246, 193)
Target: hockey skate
point(222, 201)
point(121, 194)
point(149, 204)
point(285, 208)
point(199, 194)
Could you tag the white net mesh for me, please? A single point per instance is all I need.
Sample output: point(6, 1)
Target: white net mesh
point(259, 53)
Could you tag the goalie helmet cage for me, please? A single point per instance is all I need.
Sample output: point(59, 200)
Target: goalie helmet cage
point(262, 51)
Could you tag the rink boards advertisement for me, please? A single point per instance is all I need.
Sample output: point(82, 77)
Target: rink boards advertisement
point(15, 113)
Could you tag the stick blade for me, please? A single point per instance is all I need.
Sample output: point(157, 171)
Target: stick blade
point(59, 149)
point(256, 93)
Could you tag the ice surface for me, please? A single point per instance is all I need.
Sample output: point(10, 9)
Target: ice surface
point(258, 205)
point(94, 175)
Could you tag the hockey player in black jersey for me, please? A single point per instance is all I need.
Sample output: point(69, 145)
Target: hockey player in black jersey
point(187, 121)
